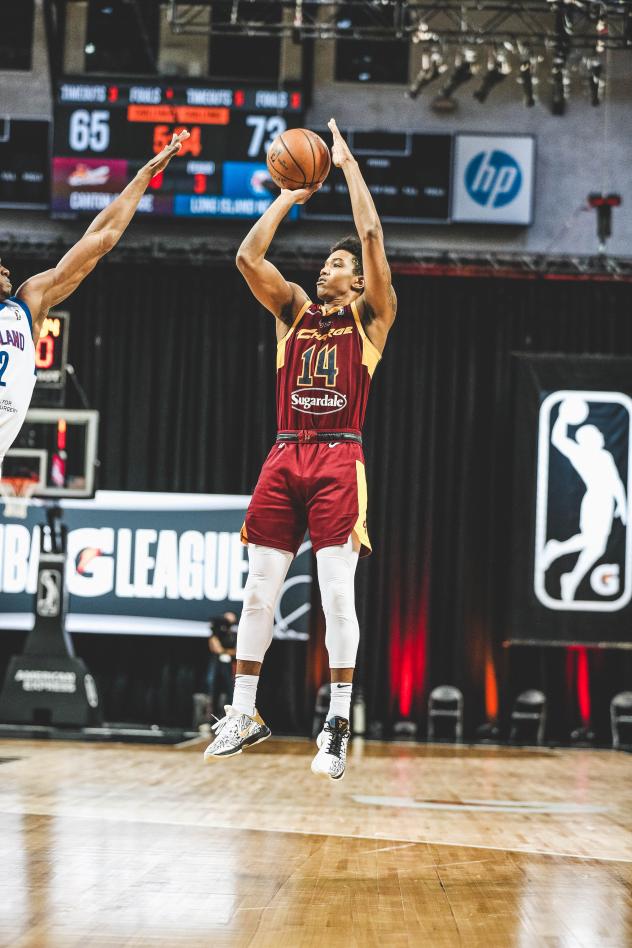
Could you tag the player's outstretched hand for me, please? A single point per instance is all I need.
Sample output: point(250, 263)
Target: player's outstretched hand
point(301, 195)
point(162, 159)
point(340, 152)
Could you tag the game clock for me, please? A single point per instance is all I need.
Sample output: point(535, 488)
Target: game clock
point(51, 352)
point(104, 132)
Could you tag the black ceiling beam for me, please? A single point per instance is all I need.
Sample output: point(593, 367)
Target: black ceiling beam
point(534, 22)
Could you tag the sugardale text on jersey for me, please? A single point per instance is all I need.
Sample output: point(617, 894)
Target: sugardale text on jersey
point(318, 401)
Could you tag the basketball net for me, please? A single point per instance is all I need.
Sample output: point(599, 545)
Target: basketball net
point(15, 493)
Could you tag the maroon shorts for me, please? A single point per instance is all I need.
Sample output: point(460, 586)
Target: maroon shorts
point(309, 486)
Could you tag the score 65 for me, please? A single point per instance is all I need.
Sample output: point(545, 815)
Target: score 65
point(192, 145)
point(89, 130)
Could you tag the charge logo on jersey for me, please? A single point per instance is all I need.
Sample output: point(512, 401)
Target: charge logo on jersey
point(317, 401)
point(315, 334)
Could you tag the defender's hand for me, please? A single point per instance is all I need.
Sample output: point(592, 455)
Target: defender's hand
point(301, 195)
point(340, 152)
point(160, 162)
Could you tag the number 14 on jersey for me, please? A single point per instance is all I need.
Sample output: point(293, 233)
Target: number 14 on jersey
point(325, 366)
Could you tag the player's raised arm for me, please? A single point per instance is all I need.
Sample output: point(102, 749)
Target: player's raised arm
point(559, 437)
point(282, 298)
point(378, 301)
point(49, 288)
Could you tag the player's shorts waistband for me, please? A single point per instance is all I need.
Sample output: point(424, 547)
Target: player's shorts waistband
point(312, 436)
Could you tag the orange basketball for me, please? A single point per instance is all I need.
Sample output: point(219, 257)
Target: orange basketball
point(298, 158)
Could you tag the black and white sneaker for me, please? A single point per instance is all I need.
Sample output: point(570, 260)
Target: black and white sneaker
point(234, 732)
point(330, 761)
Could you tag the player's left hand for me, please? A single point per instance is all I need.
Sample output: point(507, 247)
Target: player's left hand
point(301, 195)
point(160, 162)
point(340, 152)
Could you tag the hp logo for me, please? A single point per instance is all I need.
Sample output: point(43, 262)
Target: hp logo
point(493, 178)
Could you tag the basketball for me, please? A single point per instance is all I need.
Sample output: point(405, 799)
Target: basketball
point(298, 158)
point(574, 410)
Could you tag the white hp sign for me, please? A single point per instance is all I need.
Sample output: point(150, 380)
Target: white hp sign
point(583, 554)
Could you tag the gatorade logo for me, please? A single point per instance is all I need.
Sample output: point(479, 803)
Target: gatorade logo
point(493, 178)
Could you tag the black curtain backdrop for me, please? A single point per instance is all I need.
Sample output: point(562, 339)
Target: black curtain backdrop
point(180, 363)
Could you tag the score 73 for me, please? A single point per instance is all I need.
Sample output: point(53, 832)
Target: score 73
point(272, 125)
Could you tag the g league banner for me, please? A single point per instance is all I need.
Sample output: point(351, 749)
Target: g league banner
point(493, 179)
point(146, 563)
point(572, 536)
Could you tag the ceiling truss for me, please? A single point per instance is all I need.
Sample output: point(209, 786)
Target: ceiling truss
point(534, 23)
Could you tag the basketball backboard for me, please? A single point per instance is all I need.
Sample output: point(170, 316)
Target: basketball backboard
point(58, 447)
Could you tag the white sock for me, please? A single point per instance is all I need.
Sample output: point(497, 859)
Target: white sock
point(340, 701)
point(245, 693)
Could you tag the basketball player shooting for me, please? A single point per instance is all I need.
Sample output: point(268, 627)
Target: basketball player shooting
point(30, 305)
point(314, 475)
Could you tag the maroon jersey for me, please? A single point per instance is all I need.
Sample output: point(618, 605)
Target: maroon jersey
point(324, 368)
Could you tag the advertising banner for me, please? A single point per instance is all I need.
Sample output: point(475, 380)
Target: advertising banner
point(146, 563)
point(572, 542)
point(493, 179)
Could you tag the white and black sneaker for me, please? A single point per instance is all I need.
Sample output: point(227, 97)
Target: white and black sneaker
point(332, 743)
point(235, 731)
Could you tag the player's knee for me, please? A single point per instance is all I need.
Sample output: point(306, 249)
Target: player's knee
point(338, 600)
point(258, 596)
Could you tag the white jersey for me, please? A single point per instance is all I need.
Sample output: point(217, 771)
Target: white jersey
point(17, 369)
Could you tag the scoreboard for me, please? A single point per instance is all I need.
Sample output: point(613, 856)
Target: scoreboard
point(51, 350)
point(104, 132)
point(24, 151)
point(408, 175)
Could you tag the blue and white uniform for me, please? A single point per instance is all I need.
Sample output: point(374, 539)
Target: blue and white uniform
point(17, 369)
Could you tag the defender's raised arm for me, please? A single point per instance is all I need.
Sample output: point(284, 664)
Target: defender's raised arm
point(378, 302)
point(51, 287)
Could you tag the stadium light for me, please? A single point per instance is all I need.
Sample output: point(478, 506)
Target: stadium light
point(432, 66)
point(464, 70)
point(497, 68)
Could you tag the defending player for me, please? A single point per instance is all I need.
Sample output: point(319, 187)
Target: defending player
point(30, 305)
point(314, 475)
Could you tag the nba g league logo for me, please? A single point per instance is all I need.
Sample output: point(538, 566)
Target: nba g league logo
point(583, 554)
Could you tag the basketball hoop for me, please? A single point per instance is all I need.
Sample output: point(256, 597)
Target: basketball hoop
point(16, 493)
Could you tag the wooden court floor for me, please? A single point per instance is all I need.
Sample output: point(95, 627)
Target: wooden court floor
point(119, 845)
